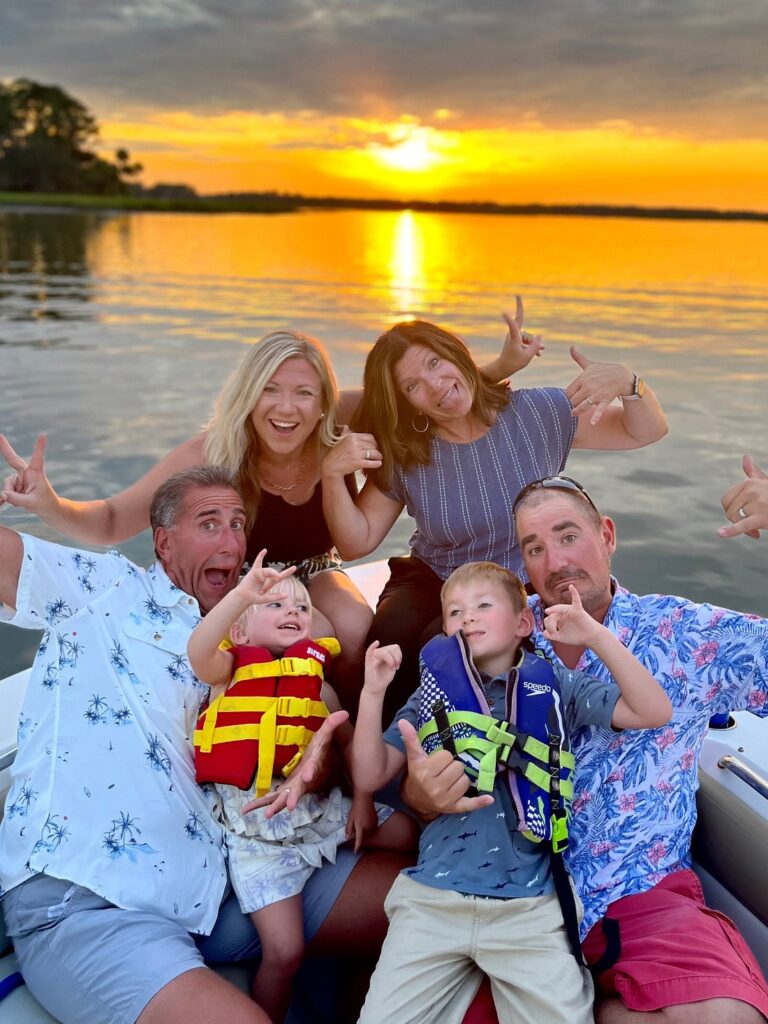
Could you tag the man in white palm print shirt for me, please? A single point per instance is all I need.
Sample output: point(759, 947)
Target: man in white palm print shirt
point(104, 812)
point(634, 792)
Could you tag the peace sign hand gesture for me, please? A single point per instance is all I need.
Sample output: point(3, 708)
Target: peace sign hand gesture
point(519, 346)
point(27, 487)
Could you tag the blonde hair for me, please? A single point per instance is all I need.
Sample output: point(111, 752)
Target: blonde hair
point(490, 572)
point(387, 414)
point(231, 440)
point(295, 588)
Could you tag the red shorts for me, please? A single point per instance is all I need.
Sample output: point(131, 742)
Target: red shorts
point(674, 950)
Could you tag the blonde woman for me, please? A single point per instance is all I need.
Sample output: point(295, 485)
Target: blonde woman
point(273, 422)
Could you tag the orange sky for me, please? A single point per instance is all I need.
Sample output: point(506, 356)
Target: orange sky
point(408, 157)
point(574, 101)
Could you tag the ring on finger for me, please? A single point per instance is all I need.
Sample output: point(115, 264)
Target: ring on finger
point(367, 455)
point(742, 514)
point(589, 401)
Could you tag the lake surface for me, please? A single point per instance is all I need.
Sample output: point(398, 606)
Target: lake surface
point(117, 331)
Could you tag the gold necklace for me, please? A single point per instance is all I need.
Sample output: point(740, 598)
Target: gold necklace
point(285, 489)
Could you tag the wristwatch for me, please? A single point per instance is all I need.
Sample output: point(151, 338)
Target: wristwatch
point(638, 388)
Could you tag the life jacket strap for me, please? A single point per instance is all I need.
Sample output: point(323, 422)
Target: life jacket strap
point(285, 735)
point(286, 707)
point(499, 746)
point(203, 738)
point(279, 667)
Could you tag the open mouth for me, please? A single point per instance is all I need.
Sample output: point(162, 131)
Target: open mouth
point(292, 626)
point(282, 426)
point(448, 396)
point(218, 578)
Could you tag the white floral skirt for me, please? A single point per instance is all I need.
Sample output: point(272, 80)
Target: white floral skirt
point(271, 859)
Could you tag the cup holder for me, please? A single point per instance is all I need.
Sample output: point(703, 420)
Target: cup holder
point(721, 722)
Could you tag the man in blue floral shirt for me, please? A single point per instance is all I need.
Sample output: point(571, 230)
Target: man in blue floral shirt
point(634, 802)
point(634, 791)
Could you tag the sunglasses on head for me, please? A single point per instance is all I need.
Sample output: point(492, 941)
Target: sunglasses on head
point(557, 483)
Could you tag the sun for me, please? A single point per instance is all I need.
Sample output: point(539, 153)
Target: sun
point(411, 150)
point(410, 155)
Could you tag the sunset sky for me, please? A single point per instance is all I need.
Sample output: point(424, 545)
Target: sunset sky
point(654, 102)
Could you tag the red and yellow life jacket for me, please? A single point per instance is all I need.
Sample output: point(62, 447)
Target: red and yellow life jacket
point(264, 720)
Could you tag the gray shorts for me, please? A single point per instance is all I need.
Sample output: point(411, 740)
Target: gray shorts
point(105, 967)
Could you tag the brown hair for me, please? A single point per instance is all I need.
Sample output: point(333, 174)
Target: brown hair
point(490, 572)
point(388, 415)
point(577, 496)
point(168, 500)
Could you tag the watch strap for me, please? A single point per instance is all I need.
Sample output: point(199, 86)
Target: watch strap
point(638, 387)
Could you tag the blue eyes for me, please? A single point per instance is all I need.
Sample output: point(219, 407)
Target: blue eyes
point(279, 604)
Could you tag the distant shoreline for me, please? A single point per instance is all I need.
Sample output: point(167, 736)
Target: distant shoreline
point(270, 202)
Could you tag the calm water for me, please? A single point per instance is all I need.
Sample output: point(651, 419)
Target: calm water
point(116, 332)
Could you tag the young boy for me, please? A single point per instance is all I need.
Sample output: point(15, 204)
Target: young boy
point(480, 898)
point(271, 856)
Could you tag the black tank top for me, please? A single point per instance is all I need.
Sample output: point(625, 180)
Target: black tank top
point(290, 533)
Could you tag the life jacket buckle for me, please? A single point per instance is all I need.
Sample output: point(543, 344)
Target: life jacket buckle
point(293, 707)
point(559, 831)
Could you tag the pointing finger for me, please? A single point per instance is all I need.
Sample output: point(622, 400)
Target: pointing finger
point(742, 527)
point(579, 358)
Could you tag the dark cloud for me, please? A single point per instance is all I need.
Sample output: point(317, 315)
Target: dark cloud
point(673, 64)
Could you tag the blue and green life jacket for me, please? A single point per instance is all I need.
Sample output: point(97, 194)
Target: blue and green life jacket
point(530, 746)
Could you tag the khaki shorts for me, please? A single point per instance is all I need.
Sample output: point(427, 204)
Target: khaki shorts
point(440, 943)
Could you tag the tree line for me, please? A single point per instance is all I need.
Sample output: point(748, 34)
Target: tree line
point(46, 144)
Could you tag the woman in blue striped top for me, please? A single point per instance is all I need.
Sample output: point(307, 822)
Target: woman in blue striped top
point(436, 438)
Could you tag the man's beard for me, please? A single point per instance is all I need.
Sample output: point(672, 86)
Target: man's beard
point(593, 595)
